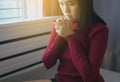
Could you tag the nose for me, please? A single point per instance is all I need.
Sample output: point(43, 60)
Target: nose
point(66, 9)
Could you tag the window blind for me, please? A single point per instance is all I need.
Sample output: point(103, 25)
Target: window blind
point(18, 10)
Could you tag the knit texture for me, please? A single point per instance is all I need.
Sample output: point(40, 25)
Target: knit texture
point(80, 54)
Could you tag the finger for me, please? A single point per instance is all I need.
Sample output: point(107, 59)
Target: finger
point(58, 32)
point(57, 21)
point(69, 27)
point(56, 28)
point(67, 23)
point(66, 29)
point(60, 21)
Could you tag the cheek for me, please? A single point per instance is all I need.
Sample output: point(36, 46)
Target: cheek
point(75, 11)
point(61, 7)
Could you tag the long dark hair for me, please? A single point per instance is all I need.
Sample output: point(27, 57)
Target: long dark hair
point(87, 13)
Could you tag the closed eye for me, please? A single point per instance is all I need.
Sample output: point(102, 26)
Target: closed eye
point(70, 3)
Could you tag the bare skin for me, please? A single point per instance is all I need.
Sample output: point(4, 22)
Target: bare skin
point(63, 25)
point(70, 12)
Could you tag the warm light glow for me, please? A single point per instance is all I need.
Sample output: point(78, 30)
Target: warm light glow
point(20, 10)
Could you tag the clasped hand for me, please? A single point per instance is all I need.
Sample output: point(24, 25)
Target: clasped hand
point(63, 27)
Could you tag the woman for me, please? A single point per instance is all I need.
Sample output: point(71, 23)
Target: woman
point(78, 41)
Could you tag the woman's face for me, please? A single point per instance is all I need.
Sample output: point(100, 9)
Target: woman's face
point(70, 9)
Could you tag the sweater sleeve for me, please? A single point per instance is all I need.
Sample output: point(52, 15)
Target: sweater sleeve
point(52, 51)
point(88, 66)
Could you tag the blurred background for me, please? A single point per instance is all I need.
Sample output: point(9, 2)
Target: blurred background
point(25, 26)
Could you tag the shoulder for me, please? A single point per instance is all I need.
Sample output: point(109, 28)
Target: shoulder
point(98, 28)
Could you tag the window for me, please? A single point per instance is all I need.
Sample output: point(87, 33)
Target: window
point(19, 10)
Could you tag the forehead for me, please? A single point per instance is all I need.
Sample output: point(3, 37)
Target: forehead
point(67, 0)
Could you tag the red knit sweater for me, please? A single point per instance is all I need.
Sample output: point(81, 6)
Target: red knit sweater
point(80, 54)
